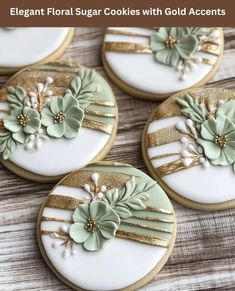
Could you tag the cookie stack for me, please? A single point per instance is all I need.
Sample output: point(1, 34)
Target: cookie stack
point(107, 225)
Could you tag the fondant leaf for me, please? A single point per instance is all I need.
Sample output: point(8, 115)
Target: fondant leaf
point(200, 31)
point(7, 144)
point(227, 109)
point(17, 97)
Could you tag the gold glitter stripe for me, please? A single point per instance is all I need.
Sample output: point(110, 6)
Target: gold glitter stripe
point(99, 113)
point(156, 228)
point(102, 103)
point(164, 136)
point(110, 163)
point(155, 219)
point(156, 209)
point(61, 234)
point(208, 62)
point(143, 238)
point(63, 202)
point(164, 156)
point(45, 218)
point(127, 47)
point(97, 125)
point(82, 177)
point(210, 48)
point(127, 33)
point(174, 167)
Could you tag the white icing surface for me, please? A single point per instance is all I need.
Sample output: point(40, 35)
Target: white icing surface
point(119, 264)
point(214, 184)
point(60, 156)
point(25, 46)
point(142, 72)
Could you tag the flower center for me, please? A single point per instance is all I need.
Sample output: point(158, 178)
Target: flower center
point(221, 140)
point(92, 225)
point(171, 41)
point(59, 117)
point(23, 119)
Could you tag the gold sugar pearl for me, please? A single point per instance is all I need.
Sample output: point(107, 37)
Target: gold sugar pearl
point(171, 41)
point(92, 225)
point(221, 140)
point(23, 119)
point(59, 117)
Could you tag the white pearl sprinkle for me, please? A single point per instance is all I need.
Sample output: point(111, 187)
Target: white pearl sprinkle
point(180, 125)
point(197, 60)
point(187, 162)
point(49, 93)
point(87, 188)
point(206, 164)
point(185, 154)
point(49, 80)
point(40, 131)
point(35, 106)
point(202, 160)
point(32, 137)
point(38, 144)
point(100, 195)
point(95, 177)
point(189, 123)
point(103, 188)
point(200, 150)
point(183, 77)
point(191, 147)
point(48, 101)
point(29, 146)
point(184, 140)
point(221, 102)
point(64, 228)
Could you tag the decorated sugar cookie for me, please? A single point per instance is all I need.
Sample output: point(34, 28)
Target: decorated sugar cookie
point(108, 226)
point(55, 118)
point(154, 63)
point(24, 46)
point(189, 147)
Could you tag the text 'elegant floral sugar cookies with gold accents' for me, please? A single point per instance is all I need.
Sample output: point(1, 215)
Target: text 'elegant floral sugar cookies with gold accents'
point(189, 148)
point(55, 118)
point(108, 226)
point(155, 63)
point(25, 46)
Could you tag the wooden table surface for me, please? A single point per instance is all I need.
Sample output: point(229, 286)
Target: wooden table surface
point(204, 253)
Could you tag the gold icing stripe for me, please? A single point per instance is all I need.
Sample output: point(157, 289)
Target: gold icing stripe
point(99, 113)
point(143, 238)
point(210, 48)
point(174, 167)
point(45, 218)
point(102, 103)
point(110, 163)
point(156, 209)
point(127, 33)
point(127, 47)
point(63, 202)
point(61, 234)
point(164, 136)
point(164, 156)
point(208, 62)
point(97, 125)
point(82, 177)
point(155, 219)
point(156, 228)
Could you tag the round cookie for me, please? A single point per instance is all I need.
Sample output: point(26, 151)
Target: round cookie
point(188, 146)
point(153, 63)
point(108, 226)
point(25, 46)
point(55, 118)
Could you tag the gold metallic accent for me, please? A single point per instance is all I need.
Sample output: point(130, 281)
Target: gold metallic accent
point(45, 218)
point(82, 177)
point(221, 140)
point(23, 119)
point(164, 136)
point(155, 219)
point(97, 125)
point(156, 241)
point(92, 225)
point(60, 234)
point(210, 48)
point(99, 113)
point(127, 33)
point(59, 117)
point(63, 202)
point(174, 167)
point(110, 163)
point(156, 228)
point(102, 103)
point(164, 156)
point(171, 42)
point(127, 47)
point(208, 62)
point(156, 209)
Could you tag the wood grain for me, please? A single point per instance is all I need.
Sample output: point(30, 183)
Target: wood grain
point(204, 254)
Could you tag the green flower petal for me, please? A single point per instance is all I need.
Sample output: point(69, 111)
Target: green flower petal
point(57, 104)
point(47, 117)
point(94, 242)
point(224, 125)
point(56, 130)
point(98, 209)
point(110, 215)
point(32, 126)
point(157, 42)
point(186, 46)
point(164, 32)
point(19, 137)
point(212, 150)
point(78, 232)
point(76, 113)
point(226, 157)
point(31, 113)
point(72, 128)
point(168, 56)
point(81, 214)
point(69, 101)
point(208, 129)
point(11, 124)
point(108, 229)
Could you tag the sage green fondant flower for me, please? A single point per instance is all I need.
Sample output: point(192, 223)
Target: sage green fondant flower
point(218, 140)
point(63, 117)
point(22, 122)
point(172, 44)
point(94, 225)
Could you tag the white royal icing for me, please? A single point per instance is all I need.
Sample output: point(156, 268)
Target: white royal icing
point(143, 73)
point(203, 183)
point(119, 264)
point(24, 46)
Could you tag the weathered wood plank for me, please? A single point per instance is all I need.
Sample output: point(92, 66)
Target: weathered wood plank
point(204, 254)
